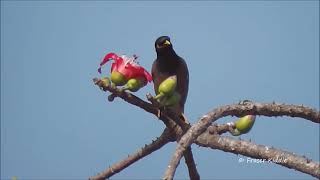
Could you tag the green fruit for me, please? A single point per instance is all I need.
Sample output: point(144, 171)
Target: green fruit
point(118, 79)
point(159, 96)
point(134, 85)
point(244, 124)
point(173, 100)
point(168, 86)
point(105, 81)
point(236, 132)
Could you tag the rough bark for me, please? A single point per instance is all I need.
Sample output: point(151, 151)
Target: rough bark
point(141, 153)
point(261, 153)
point(204, 134)
point(241, 109)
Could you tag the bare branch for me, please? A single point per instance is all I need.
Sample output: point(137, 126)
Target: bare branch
point(221, 128)
point(193, 173)
point(170, 121)
point(272, 109)
point(144, 151)
point(134, 100)
point(128, 97)
point(261, 152)
point(177, 129)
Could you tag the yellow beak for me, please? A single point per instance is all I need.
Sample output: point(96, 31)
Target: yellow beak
point(166, 42)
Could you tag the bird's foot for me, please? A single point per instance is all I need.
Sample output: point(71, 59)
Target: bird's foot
point(155, 103)
point(149, 97)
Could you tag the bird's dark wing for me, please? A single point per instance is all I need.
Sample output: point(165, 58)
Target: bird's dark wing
point(182, 82)
point(158, 76)
point(161, 72)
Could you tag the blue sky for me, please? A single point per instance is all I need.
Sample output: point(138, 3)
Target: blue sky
point(56, 124)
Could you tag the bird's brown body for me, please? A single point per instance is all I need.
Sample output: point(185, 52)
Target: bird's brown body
point(167, 64)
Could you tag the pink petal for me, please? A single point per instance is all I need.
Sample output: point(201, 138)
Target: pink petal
point(134, 71)
point(147, 75)
point(129, 70)
point(107, 58)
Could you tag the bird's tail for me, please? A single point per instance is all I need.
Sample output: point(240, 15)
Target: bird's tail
point(180, 111)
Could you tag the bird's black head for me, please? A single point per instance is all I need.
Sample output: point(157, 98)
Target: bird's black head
point(163, 46)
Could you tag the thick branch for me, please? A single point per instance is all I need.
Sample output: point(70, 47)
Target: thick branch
point(260, 152)
point(170, 121)
point(221, 128)
point(146, 150)
point(240, 110)
point(273, 109)
point(188, 156)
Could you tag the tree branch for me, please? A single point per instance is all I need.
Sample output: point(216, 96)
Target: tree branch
point(246, 108)
point(144, 151)
point(260, 152)
point(134, 100)
point(193, 173)
point(170, 121)
point(177, 129)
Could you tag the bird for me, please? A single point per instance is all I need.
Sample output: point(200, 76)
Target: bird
point(168, 64)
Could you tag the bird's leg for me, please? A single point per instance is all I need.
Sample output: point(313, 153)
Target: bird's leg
point(161, 101)
point(161, 108)
point(184, 118)
point(155, 103)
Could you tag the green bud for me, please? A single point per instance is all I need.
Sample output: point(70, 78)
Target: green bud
point(173, 100)
point(134, 84)
point(118, 79)
point(159, 96)
point(168, 86)
point(105, 81)
point(244, 124)
point(236, 132)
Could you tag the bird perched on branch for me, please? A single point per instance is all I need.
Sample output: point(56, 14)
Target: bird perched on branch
point(169, 67)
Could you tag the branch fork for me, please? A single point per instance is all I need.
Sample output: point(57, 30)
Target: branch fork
point(204, 134)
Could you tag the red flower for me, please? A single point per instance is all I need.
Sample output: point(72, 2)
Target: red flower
point(127, 66)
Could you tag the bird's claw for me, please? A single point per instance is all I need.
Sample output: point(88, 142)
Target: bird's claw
point(149, 97)
point(159, 113)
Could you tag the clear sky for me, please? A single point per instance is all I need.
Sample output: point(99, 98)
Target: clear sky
point(56, 124)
